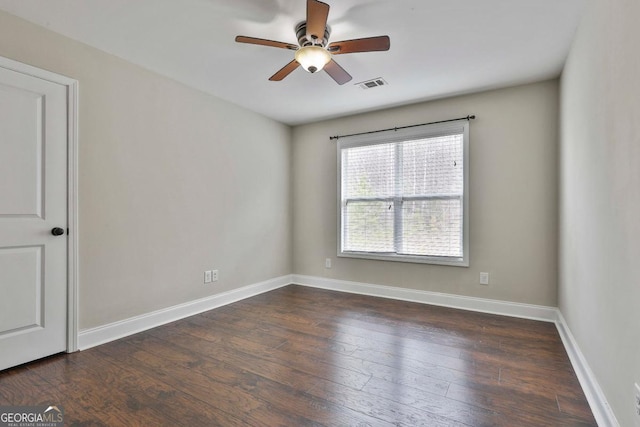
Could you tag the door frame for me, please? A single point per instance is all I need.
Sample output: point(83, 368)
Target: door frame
point(72, 188)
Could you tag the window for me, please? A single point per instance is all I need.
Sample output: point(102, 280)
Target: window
point(403, 195)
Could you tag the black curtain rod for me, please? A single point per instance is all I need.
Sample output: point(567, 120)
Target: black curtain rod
point(469, 117)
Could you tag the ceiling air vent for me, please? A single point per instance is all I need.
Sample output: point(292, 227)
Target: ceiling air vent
point(370, 84)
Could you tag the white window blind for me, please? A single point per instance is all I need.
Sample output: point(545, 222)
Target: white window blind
point(402, 196)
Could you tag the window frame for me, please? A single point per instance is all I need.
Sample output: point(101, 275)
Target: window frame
point(400, 135)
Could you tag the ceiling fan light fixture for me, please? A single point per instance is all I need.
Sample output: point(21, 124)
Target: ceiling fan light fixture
point(313, 58)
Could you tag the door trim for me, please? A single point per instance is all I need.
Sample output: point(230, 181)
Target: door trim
point(72, 188)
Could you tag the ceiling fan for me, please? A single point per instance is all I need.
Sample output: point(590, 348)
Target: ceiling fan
point(315, 52)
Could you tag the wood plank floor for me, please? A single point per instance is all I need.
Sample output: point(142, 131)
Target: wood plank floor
point(299, 356)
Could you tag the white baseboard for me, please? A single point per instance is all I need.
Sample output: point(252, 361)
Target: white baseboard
point(102, 334)
point(504, 308)
point(597, 401)
point(596, 398)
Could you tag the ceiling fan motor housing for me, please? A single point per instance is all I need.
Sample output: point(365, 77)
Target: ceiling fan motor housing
point(301, 34)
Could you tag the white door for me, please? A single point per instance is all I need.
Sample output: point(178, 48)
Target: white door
point(33, 201)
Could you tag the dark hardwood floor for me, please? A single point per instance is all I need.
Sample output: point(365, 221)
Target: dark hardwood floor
point(299, 356)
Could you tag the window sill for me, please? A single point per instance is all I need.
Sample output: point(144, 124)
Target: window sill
point(450, 261)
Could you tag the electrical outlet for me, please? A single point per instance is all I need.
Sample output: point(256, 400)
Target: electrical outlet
point(207, 276)
point(484, 278)
point(327, 263)
point(214, 276)
point(637, 401)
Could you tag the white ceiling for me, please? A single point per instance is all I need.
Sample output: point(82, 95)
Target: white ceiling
point(439, 48)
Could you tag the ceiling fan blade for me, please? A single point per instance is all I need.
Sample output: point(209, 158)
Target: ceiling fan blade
point(368, 44)
point(317, 14)
point(285, 71)
point(337, 73)
point(265, 42)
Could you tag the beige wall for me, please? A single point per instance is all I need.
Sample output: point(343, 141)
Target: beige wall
point(599, 286)
point(513, 197)
point(172, 182)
